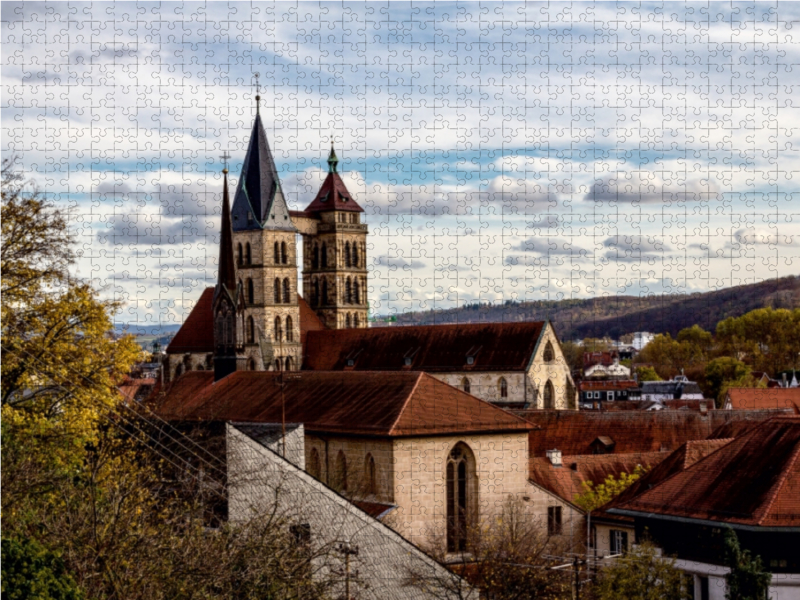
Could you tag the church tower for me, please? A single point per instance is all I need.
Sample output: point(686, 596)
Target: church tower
point(335, 259)
point(228, 303)
point(266, 258)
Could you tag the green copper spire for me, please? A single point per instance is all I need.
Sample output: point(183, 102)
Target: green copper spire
point(332, 160)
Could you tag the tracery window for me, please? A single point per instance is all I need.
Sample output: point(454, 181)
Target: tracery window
point(503, 384)
point(461, 488)
point(549, 395)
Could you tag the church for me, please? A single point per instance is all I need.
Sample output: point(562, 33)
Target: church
point(257, 319)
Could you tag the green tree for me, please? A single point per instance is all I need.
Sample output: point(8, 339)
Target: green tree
point(765, 338)
point(595, 496)
point(747, 579)
point(647, 374)
point(721, 370)
point(640, 575)
point(31, 572)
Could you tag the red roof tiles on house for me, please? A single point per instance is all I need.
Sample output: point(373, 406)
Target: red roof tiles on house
point(763, 398)
point(197, 332)
point(376, 403)
point(333, 195)
point(573, 432)
point(753, 480)
point(431, 348)
point(566, 481)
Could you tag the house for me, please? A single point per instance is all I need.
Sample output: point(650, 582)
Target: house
point(400, 439)
point(751, 485)
point(612, 371)
point(762, 398)
point(596, 392)
point(641, 339)
point(678, 388)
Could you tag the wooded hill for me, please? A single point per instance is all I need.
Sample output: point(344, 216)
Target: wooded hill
point(615, 316)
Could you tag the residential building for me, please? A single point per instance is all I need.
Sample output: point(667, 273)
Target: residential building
point(594, 393)
point(762, 399)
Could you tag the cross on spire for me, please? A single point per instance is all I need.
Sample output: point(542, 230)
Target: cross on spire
point(258, 91)
point(225, 156)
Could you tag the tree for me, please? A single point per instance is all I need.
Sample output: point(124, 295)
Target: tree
point(720, 372)
point(31, 572)
point(640, 575)
point(765, 338)
point(595, 496)
point(747, 579)
point(573, 355)
point(647, 374)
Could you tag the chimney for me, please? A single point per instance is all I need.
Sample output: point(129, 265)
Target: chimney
point(555, 457)
point(703, 408)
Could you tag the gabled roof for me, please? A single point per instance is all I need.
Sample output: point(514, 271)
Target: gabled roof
point(763, 398)
point(566, 481)
point(373, 404)
point(197, 332)
point(572, 432)
point(333, 195)
point(754, 480)
point(431, 348)
point(259, 192)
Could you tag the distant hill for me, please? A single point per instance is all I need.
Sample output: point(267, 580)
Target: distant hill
point(617, 315)
point(155, 329)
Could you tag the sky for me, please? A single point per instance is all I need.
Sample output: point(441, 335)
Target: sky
point(501, 151)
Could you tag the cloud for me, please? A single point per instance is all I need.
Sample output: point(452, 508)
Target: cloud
point(634, 248)
point(140, 229)
point(552, 246)
point(396, 262)
point(766, 236)
point(643, 187)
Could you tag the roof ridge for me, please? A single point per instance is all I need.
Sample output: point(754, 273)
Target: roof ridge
point(405, 403)
point(781, 481)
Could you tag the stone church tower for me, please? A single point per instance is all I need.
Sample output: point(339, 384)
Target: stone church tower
point(266, 260)
point(335, 257)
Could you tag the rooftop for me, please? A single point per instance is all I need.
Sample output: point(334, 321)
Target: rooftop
point(763, 398)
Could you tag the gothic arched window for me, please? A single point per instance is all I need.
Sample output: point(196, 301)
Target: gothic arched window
point(284, 255)
point(348, 321)
point(347, 254)
point(355, 255)
point(251, 364)
point(278, 330)
point(503, 384)
point(314, 464)
point(248, 254)
point(289, 329)
point(239, 257)
point(315, 292)
point(315, 257)
point(277, 290)
point(348, 291)
point(461, 491)
point(286, 291)
point(340, 473)
point(250, 292)
point(325, 292)
point(355, 321)
point(278, 364)
point(276, 256)
point(549, 395)
point(370, 476)
point(549, 354)
point(324, 256)
point(356, 292)
point(251, 331)
point(289, 363)
point(465, 385)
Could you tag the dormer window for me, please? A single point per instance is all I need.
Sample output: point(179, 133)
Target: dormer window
point(407, 361)
point(249, 217)
point(350, 362)
point(470, 360)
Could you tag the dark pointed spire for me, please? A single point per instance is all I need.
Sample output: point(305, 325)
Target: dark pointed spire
point(226, 275)
point(332, 160)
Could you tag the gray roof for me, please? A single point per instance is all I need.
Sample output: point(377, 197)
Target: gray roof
point(259, 201)
point(669, 387)
point(265, 434)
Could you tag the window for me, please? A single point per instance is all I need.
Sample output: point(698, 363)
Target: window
point(465, 385)
point(286, 291)
point(340, 474)
point(278, 330)
point(609, 395)
point(348, 321)
point(549, 353)
point(276, 254)
point(325, 291)
point(324, 256)
point(313, 464)
point(289, 363)
point(618, 541)
point(356, 292)
point(355, 255)
point(348, 287)
point(289, 329)
point(284, 255)
point(251, 365)
point(347, 254)
point(355, 321)
point(239, 256)
point(278, 366)
point(370, 480)
point(315, 257)
point(554, 526)
point(250, 292)
point(248, 254)
point(277, 289)
point(503, 387)
point(549, 395)
point(460, 484)
point(704, 591)
point(315, 292)
point(251, 330)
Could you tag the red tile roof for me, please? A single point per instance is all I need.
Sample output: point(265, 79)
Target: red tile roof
point(136, 389)
point(375, 403)
point(431, 348)
point(333, 195)
point(753, 480)
point(566, 481)
point(197, 332)
point(573, 432)
point(621, 405)
point(763, 398)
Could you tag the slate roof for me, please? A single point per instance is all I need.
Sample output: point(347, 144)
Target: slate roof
point(197, 332)
point(573, 432)
point(764, 398)
point(754, 480)
point(566, 481)
point(430, 348)
point(373, 404)
point(669, 388)
point(607, 384)
point(259, 189)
